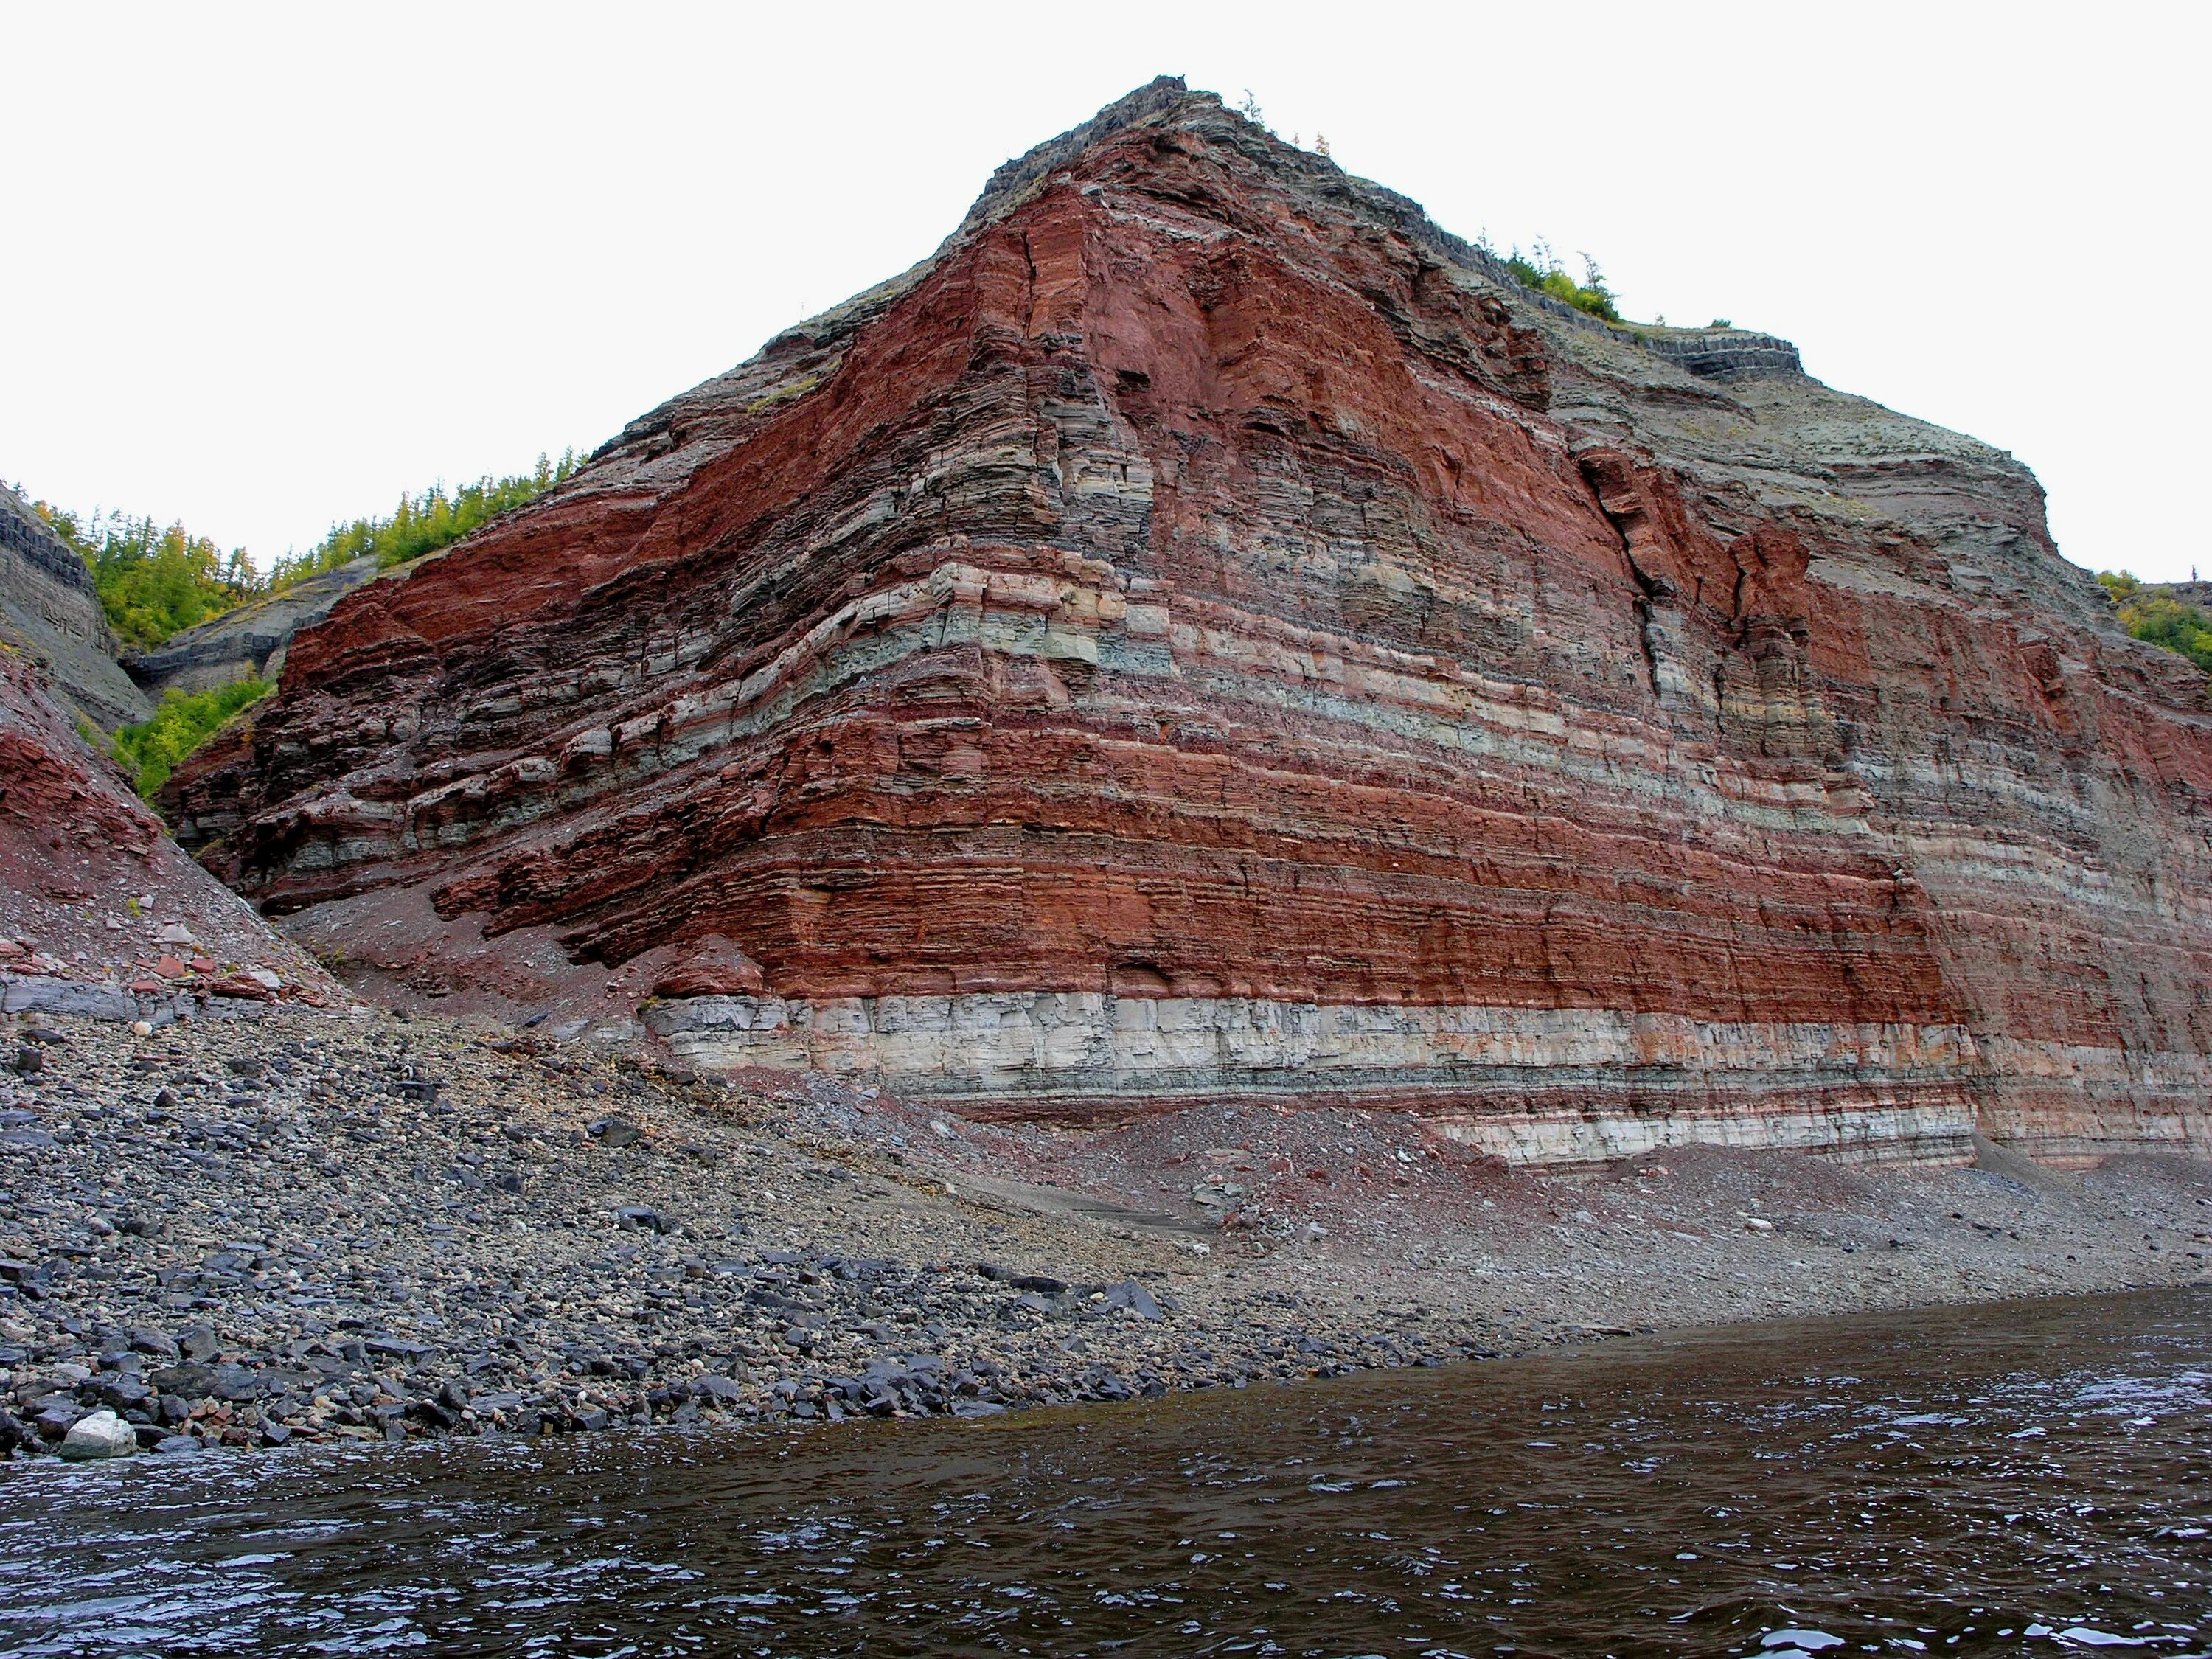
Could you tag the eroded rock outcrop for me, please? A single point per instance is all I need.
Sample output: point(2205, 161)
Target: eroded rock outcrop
point(1208, 632)
point(51, 612)
point(101, 915)
point(247, 641)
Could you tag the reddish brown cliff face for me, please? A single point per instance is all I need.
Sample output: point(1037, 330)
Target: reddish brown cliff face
point(100, 913)
point(1207, 631)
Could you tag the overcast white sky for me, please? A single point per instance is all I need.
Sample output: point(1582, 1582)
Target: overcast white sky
point(266, 268)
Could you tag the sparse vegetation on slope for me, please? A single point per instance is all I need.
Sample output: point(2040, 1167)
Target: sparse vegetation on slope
point(155, 580)
point(153, 749)
point(2161, 619)
point(1541, 271)
point(422, 524)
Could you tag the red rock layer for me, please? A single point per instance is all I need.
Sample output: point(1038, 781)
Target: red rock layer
point(1205, 602)
point(100, 912)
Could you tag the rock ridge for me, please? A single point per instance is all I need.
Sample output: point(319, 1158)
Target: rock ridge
point(1724, 353)
point(1207, 631)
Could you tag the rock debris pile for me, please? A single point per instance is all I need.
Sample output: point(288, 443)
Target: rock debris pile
point(305, 1227)
point(100, 913)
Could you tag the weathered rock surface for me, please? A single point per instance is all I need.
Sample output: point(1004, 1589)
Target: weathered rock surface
point(102, 1434)
point(100, 913)
point(50, 612)
point(1206, 633)
point(248, 641)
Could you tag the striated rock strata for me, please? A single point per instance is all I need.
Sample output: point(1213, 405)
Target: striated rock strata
point(49, 611)
point(100, 913)
point(248, 641)
point(1207, 632)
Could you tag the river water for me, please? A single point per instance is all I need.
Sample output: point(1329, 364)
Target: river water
point(2034, 1478)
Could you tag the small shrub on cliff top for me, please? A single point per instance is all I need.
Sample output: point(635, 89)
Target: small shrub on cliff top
point(1540, 270)
point(2180, 628)
point(422, 524)
point(153, 749)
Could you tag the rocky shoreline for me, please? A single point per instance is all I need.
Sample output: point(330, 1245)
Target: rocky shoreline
point(300, 1226)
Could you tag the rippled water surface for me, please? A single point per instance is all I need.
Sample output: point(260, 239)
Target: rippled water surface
point(2033, 1479)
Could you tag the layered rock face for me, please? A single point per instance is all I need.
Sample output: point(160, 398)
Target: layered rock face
point(100, 913)
point(249, 641)
point(49, 611)
point(1207, 633)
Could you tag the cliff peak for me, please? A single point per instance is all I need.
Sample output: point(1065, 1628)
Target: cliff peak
point(1161, 96)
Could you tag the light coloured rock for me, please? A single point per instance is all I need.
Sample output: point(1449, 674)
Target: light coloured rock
point(1624, 1085)
point(103, 1434)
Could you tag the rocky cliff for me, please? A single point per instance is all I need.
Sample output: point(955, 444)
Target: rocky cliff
point(1207, 633)
point(50, 612)
point(100, 913)
point(248, 641)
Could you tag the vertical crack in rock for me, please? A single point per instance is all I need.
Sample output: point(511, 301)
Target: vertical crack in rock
point(1612, 485)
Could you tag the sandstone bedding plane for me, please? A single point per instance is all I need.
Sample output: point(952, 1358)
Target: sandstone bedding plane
point(1207, 637)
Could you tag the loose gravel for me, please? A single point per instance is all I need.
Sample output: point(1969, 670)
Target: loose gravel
point(312, 1226)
